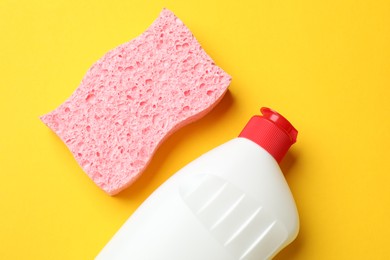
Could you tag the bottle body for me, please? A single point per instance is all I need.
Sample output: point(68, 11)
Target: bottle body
point(231, 203)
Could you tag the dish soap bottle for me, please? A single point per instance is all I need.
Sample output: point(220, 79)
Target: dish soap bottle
point(231, 203)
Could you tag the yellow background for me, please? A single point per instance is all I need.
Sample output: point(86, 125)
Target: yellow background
point(325, 65)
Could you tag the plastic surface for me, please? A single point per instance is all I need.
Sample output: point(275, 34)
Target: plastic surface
point(271, 131)
point(231, 203)
point(324, 65)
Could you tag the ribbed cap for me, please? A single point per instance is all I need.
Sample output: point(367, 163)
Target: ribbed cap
point(271, 131)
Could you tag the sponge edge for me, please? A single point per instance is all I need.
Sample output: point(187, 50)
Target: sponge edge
point(133, 98)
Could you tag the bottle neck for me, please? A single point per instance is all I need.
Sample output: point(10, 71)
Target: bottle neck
point(272, 132)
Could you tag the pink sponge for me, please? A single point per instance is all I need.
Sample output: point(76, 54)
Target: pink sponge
point(133, 98)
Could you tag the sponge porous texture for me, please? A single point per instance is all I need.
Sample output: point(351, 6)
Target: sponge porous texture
point(133, 98)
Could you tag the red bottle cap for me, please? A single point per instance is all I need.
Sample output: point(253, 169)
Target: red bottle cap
point(271, 131)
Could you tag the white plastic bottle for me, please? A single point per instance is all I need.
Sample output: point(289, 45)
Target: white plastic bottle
point(231, 203)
